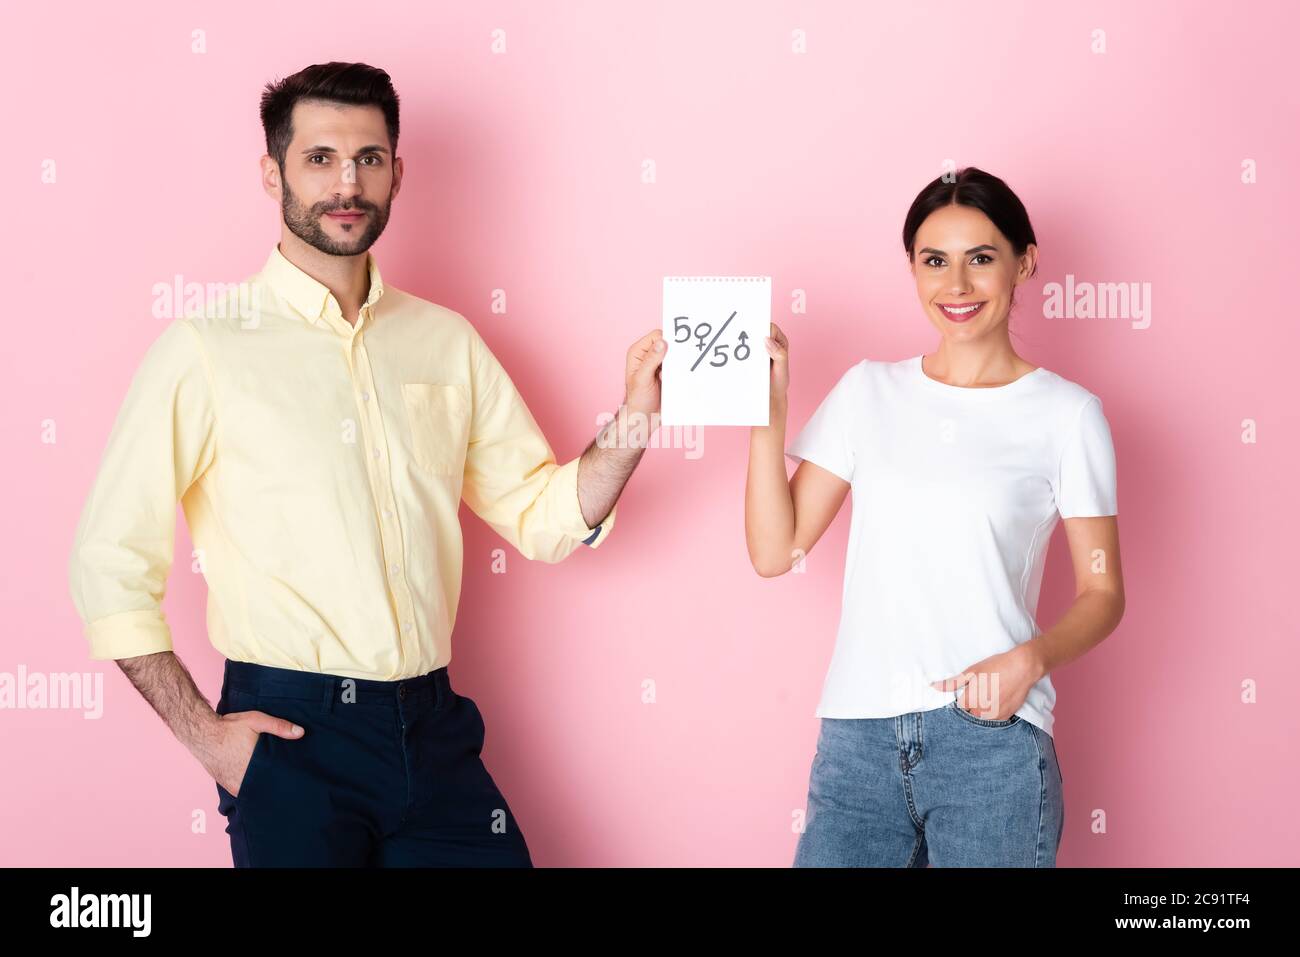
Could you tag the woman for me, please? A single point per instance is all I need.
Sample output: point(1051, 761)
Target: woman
point(936, 743)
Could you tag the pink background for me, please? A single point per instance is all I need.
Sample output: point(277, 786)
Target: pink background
point(523, 173)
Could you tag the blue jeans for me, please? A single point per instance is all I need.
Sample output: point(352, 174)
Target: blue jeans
point(941, 787)
point(386, 774)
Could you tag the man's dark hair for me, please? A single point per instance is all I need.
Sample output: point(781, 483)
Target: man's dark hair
point(356, 83)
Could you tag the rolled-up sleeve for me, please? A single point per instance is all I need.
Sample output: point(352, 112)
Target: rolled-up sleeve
point(512, 480)
point(162, 441)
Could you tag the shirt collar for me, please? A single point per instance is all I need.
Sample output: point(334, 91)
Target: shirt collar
point(310, 298)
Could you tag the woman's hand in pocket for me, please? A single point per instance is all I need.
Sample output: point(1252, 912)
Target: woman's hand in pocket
point(995, 687)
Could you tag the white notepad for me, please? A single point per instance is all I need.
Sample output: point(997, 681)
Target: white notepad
point(716, 370)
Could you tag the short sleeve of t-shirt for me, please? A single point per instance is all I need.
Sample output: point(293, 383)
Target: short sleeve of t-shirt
point(1085, 480)
point(824, 439)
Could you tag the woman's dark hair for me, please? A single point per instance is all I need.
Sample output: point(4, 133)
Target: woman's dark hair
point(973, 187)
point(354, 83)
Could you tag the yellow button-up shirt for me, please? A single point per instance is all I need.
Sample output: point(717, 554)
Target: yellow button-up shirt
point(320, 467)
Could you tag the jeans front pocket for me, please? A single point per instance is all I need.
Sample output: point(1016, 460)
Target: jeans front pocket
point(984, 722)
point(1048, 746)
point(439, 418)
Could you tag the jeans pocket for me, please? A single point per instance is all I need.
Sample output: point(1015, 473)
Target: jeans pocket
point(984, 722)
point(1049, 745)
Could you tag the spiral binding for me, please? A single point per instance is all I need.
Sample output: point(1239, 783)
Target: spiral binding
point(717, 278)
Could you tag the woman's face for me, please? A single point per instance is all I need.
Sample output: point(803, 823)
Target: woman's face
point(961, 260)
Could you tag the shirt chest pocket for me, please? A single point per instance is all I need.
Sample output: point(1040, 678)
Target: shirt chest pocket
point(438, 416)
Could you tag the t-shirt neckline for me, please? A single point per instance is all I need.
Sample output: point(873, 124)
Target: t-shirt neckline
point(918, 372)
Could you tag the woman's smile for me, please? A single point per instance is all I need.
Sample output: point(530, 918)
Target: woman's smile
point(961, 312)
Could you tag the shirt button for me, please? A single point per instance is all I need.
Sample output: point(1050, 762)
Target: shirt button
point(410, 626)
point(365, 396)
point(376, 453)
point(387, 514)
point(395, 569)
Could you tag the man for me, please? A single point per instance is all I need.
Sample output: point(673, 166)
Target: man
point(319, 446)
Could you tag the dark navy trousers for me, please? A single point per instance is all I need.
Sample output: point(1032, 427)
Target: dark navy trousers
point(386, 774)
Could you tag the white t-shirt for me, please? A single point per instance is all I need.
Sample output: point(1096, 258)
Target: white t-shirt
point(956, 492)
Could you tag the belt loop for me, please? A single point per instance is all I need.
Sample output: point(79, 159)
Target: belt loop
point(331, 692)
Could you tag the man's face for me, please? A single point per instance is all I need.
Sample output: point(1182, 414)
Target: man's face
point(339, 177)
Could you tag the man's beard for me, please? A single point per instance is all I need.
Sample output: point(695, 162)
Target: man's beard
point(305, 223)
